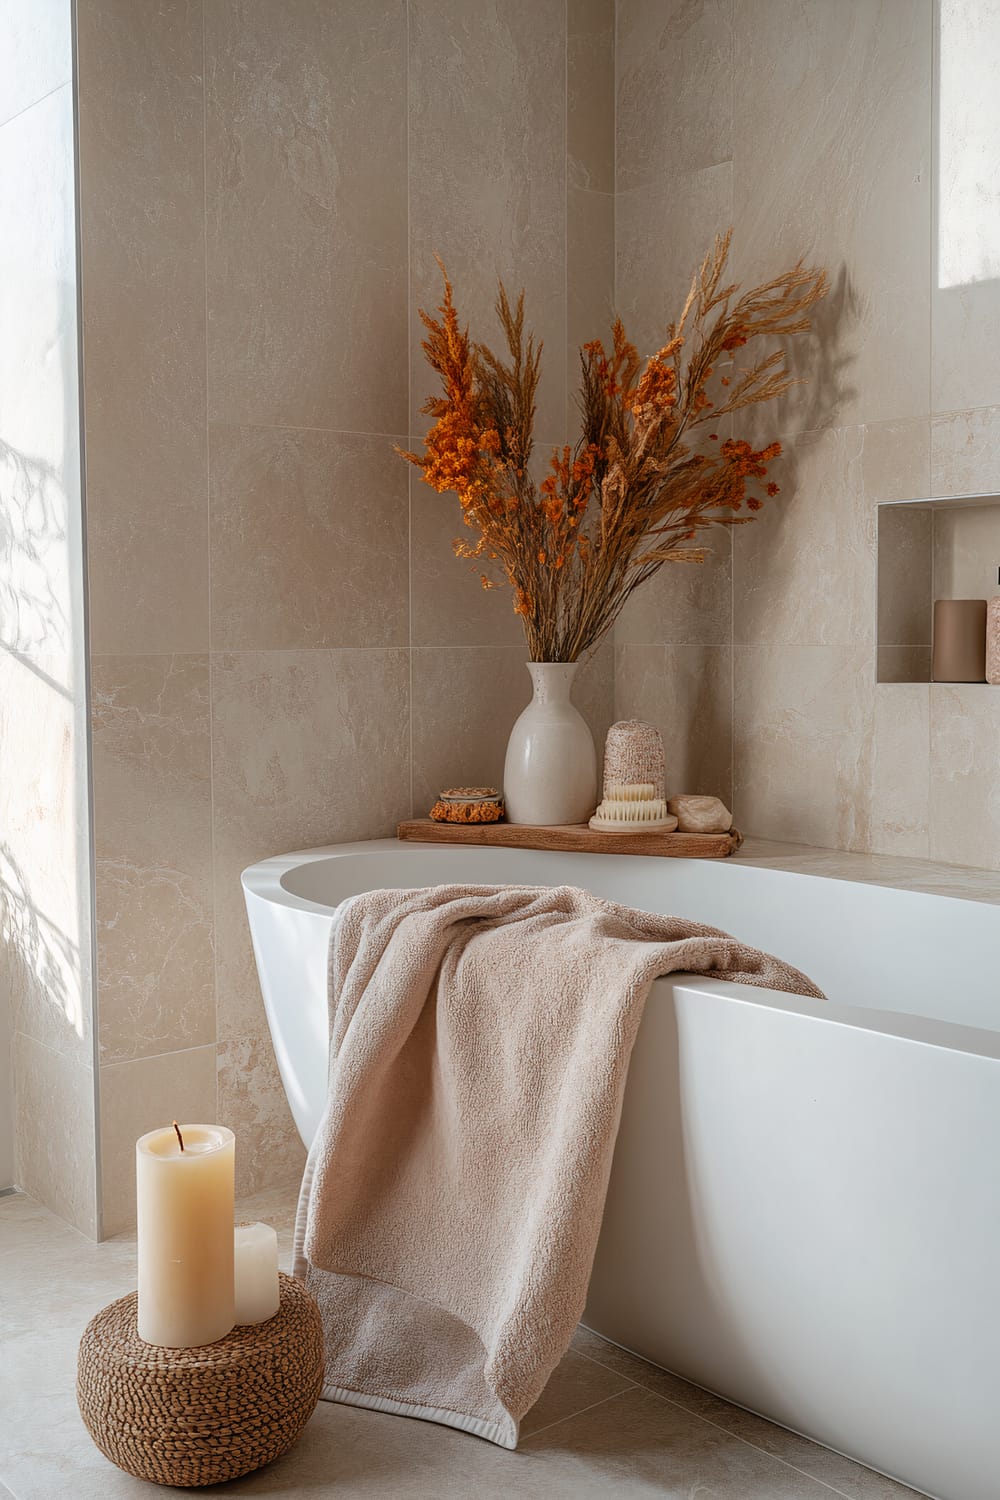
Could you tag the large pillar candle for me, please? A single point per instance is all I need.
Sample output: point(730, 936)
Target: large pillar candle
point(185, 1215)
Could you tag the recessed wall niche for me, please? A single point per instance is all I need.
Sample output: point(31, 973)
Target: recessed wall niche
point(927, 550)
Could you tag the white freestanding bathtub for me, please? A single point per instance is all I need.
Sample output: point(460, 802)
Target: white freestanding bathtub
point(804, 1209)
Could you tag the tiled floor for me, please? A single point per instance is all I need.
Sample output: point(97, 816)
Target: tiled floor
point(607, 1424)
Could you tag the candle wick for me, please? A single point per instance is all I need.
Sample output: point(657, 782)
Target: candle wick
point(180, 1138)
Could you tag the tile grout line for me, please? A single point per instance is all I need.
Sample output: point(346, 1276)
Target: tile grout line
point(616, 658)
point(409, 415)
point(9, 120)
point(389, 437)
point(126, 1062)
point(565, 341)
point(208, 539)
point(689, 1411)
point(632, 1386)
point(785, 1463)
point(732, 529)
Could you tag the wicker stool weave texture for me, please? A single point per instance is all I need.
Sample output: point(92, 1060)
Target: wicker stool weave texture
point(199, 1416)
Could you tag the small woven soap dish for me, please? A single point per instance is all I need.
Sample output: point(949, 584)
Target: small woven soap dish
point(632, 808)
point(468, 804)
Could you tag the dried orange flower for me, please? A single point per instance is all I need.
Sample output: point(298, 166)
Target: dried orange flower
point(637, 487)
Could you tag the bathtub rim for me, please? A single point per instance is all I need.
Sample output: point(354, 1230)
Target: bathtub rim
point(771, 857)
point(263, 881)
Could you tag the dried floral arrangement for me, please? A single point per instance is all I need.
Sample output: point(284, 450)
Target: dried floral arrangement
point(643, 478)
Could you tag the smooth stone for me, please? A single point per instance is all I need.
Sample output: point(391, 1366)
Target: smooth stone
point(696, 814)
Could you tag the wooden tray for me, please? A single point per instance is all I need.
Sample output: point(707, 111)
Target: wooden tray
point(574, 838)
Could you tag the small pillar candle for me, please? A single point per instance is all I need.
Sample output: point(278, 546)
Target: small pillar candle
point(255, 1255)
point(185, 1180)
point(959, 640)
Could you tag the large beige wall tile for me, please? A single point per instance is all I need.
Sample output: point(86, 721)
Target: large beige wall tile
point(155, 959)
point(309, 537)
point(37, 54)
point(590, 103)
point(45, 958)
point(965, 453)
point(487, 173)
point(685, 603)
point(802, 744)
point(143, 279)
point(139, 1096)
point(309, 748)
point(55, 1132)
point(252, 1103)
point(675, 96)
point(965, 774)
point(152, 762)
point(306, 154)
point(965, 296)
point(465, 702)
point(662, 234)
point(832, 162)
point(590, 283)
point(594, 694)
point(964, 364)
point(805, 571)
point(686, 691)
point(900, 780)
point(41, 584)
point(449, 602)
point(153, 849)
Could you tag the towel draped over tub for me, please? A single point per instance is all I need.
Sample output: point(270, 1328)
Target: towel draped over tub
point(452, 1199)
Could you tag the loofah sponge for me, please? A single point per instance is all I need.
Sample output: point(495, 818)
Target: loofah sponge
point(468, 804)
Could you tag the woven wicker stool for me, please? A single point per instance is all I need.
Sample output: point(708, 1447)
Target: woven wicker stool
point(199, 1416)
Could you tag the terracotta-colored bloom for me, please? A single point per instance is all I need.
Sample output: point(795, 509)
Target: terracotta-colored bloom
point(640, 483)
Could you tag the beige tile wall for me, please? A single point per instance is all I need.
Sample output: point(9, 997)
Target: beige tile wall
point(285, 651)
point(46, 1031)
point(812, 129)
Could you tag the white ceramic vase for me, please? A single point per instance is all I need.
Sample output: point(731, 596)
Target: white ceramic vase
point(550, 775)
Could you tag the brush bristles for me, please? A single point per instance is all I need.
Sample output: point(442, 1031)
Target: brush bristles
point(629, 810)
point(638, 791)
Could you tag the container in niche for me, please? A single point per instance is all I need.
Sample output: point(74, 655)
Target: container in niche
point(959, 647)
point(946, 548)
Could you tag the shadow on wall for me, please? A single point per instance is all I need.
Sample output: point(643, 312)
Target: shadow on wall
point(822, 357)
point(40, 912)
point(33, 555)
point(41, 960)
point(821, 360)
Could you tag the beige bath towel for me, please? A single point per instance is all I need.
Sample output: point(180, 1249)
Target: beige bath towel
point(450, 1210)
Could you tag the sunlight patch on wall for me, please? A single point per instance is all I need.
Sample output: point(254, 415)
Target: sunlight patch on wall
point(968, 192)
